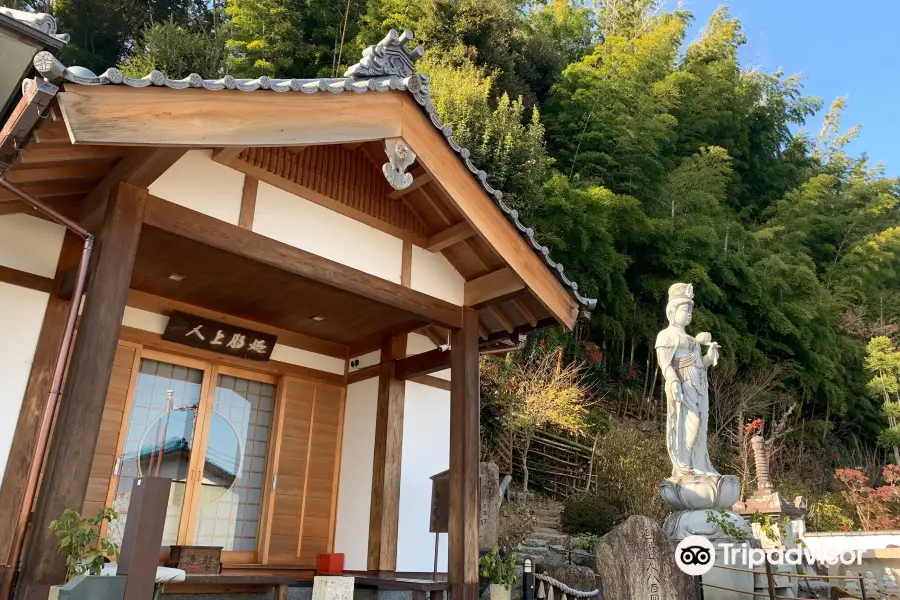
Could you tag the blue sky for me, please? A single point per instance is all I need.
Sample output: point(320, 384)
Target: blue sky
point(842, 47)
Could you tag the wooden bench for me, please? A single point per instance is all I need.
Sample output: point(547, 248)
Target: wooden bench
point(419, 587)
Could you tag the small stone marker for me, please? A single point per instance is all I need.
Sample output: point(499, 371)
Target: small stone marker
point(332, 587)
point(636, 560)
point(489, 494)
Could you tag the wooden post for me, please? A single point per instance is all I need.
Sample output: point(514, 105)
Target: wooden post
point(71, 452)
point(384, 513)
point(34, 402)
point(464, 456)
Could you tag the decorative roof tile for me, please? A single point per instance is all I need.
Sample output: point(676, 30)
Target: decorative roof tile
point(385, 66)
point(43, 22)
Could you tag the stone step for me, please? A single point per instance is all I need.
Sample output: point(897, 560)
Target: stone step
point(541, 531)
point(546, 512)
point(549, 540)
point(547, 522)
point(536, 542)
point(533, 550)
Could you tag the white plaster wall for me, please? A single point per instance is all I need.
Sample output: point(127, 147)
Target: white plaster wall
point(201, 184)
point(351, 531)
point(326, 233)
point(21, 316)
point(156, 323)
point(30, 244)
point(432, 274)
point(426, 452)
point(851, 540)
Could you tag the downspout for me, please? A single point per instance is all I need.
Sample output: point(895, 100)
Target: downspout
point(40, 450)
point(32, 108)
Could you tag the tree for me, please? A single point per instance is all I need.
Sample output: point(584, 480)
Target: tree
point(504, 143)
point(883, 361)
point(539, 391)
point(176, 51)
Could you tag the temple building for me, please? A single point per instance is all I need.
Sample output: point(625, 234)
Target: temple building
point(274, 292)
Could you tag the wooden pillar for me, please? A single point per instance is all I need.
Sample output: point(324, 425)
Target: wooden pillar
point(37, 392)
point(464, 456)
point(384, 513)
point(71, 452)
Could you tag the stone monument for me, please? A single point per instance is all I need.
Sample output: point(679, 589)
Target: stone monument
point(635, 560)
point(701, 495)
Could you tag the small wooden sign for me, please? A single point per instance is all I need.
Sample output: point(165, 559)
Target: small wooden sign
point(206, 334)
point(440, 503)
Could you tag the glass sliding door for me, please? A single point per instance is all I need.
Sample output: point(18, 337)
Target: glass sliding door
point(234, 470)
point(208, 428)
point(159, 439)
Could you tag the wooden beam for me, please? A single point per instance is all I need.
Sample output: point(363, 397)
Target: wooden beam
point(502, 318)
point(525, 311)
point(452, 176)
point(420, 178)
point(422, 364)
point(69, 459)
point(165, 306)
point(39, 156)
point(25, 279)
point(226, 156)
point(231, 238)
point(52, 190)
point(131, 116)
point(432, 381)
point(496, 286)
point(483, 332)
point(406, 264)
point(34, 402)
point(384, 513)
point(92, 170)
point(248, 202)
point(437, 336)
point(448, 237)
point(14, 207)
point(140, 168)
point(363, 374)
point(464, 455)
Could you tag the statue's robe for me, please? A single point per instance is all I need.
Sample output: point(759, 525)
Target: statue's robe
point(687, 417)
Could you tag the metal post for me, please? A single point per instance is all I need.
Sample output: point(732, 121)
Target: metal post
point(437, 539)
point(699, 580)
point(527, 580)
point(862, 587)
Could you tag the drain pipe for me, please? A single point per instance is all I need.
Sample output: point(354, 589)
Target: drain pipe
point(38, 459)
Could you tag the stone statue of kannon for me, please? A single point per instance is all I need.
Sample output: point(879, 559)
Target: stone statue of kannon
point(684, 369)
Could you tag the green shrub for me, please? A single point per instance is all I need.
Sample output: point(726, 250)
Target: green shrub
point(497, 569)
point(588, 513)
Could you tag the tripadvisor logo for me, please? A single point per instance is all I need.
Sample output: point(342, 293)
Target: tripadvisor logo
point(696, 555)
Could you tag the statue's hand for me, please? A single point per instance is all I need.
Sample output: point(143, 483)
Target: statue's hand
point(679, 393)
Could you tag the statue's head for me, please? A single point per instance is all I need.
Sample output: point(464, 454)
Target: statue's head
point(681, 304)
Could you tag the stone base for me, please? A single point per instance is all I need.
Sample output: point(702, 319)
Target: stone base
point(698, 522)
point(729, 578)
point(695, 492)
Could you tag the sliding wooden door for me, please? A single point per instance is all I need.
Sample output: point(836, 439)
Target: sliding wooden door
point(252, 457)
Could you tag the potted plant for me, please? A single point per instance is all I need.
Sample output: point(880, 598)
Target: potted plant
point(501, 572)
point(79, 540)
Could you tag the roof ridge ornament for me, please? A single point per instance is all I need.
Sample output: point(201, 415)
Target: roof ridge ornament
point(390, 56)
point(43, 22)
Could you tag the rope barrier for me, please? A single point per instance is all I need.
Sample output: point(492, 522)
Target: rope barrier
point(566, 590)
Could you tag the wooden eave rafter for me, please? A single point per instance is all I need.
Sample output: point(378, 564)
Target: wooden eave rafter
point(114, 115)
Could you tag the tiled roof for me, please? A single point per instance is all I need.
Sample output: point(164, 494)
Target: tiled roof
point(385, 66)
point(42, 22)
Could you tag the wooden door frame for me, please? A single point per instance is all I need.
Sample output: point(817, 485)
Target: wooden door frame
point(211, 371)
